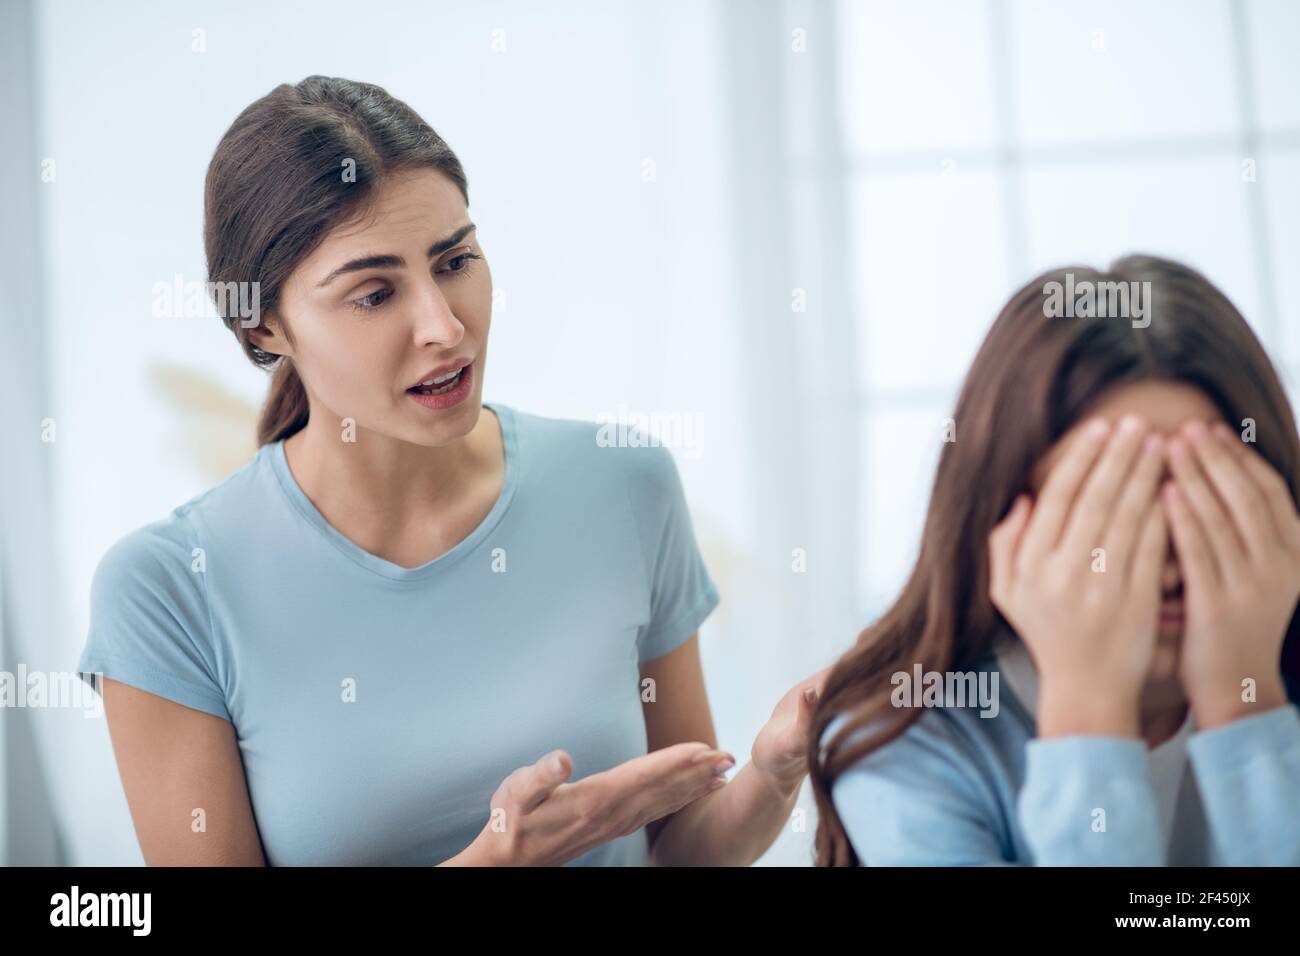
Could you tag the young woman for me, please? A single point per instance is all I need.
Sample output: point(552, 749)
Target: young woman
point(366, 646)
point(1113, 544)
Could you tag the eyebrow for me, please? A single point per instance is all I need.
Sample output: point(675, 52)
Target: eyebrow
point(396, 262)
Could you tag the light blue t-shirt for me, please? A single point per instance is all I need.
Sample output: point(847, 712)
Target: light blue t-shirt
point(376, 707)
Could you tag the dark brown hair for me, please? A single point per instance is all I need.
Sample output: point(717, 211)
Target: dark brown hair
point(276, 186)
point(1033, 378)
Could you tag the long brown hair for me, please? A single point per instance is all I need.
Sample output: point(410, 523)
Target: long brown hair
point(1032, 379)
point(294, 164)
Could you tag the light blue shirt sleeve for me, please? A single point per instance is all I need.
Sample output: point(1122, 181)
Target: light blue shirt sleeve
point(149, 625)
point(1248, 773)
point(682, 594)
point(1090, 801)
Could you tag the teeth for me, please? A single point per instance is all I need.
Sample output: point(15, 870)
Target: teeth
point(441, 379)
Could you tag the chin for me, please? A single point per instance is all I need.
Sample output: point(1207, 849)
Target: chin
point(1163, 676)
point(1164, 662)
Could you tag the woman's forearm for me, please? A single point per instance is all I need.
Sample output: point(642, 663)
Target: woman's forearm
point(732, 827)
point(1248, 774)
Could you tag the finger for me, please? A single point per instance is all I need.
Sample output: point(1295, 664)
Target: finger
point(1196, 563)
point(807, 702)
point(1149, 554)
point(539, 781)
point(1136, 498)
point(1276, 492)
point(1059, 490)
point(655, 788)
point(1096, 501)
point(1238, 494)
point(1004, 540)
point(684, 761)
point(1215, 525)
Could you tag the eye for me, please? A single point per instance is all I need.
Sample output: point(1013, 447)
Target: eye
point(459, 263)
point(368, 303)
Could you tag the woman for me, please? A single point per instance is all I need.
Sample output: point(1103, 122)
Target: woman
point(1104, 548)
point(365, 645)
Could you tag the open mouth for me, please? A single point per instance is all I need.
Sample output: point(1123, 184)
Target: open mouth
point(440, 385)
point(1171, 608)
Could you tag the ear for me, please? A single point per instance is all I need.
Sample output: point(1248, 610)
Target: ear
point(269, 335)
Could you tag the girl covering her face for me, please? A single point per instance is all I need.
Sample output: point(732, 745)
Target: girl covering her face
point(1112, 546)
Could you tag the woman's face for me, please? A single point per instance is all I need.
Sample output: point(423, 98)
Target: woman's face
point(389, 302)
point(1165, 407)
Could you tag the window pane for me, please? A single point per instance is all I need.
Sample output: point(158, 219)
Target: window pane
point(915, 74)
point(901, 447)
point(1274, 31)
point(1193, 211)
point(1279, 177)
point(929, 273)
point(1123, 69)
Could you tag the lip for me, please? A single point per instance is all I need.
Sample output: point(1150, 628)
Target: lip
point(443, 370)
point(1171, 612)
point(448, 399)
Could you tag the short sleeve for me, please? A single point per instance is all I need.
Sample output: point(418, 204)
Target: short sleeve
point(149, 624)
point(682, 594)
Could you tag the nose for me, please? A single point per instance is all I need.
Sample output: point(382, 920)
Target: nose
point(434, 322)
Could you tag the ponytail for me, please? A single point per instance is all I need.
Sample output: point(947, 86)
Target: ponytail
point(286, 408)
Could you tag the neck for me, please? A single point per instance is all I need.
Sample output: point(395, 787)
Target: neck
point(1159, 722)
point(386, 477)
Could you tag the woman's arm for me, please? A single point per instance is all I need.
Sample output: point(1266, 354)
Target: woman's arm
point(1248, 773)
point(184, 781)
point(1237, 533)
point(733, 826)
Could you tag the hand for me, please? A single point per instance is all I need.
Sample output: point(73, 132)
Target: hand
point(1091, 632)
point(1237, 536)
point(539, 820)
point(780, 751)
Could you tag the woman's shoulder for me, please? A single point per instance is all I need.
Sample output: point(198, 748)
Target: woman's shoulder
point(607, 447)
point(167, 547)
point(965, 727)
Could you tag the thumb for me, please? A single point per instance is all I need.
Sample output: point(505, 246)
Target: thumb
point(542, 779)
point(807, 701)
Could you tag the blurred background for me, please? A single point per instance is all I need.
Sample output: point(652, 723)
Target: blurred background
point(792, 222)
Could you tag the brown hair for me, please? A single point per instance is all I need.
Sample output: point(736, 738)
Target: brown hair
point(276, 187)
point(1032, 379)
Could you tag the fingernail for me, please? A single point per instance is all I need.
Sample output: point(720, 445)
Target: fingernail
point(720, 782)
point(1195, 429)
point(1130, 424)
point(557, 764)
point(1097, 428)
point(724, 766)
point(704, 755)
point(809, 694)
